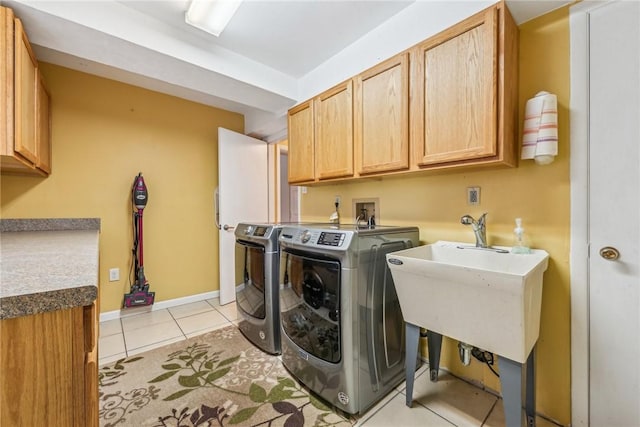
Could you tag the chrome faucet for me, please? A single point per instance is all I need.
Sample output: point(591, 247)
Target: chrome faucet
point(479, 228)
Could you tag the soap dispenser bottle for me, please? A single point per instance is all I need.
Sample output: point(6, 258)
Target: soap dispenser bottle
point(519, 245)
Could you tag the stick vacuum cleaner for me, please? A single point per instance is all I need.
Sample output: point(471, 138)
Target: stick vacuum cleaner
point(139, 294)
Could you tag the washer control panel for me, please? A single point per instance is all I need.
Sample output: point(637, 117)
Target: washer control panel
point(310, 237)
point(331, 239)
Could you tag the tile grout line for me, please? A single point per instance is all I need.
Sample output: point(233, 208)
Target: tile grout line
point(414, 401)
point(369, 416)
point(224, 315)
point(213, 309)
point(184, 335)
point(127, 349)
point(490, 412)
point(177, 324)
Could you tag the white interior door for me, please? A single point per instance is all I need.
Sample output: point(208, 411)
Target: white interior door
point(614, 214)
point(243, 196)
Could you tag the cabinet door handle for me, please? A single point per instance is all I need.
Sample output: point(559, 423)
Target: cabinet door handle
point(90, 324)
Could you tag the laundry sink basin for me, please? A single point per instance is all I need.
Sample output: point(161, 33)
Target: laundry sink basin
point(487, 298)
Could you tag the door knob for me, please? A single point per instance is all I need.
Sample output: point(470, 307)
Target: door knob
point(227, 227)
point(609, 253)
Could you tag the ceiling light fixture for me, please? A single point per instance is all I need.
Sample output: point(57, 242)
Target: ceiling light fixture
point(211, 16)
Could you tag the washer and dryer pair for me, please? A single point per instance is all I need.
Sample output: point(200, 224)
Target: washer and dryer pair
point(322, 294)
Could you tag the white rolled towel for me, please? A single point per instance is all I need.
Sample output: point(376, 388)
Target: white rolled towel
point(540, 132)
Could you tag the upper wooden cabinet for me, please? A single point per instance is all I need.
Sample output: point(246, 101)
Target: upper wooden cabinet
point(334, 132)
point(43, 127)
point(25, 82)
point(464, 93)
point(381, 117)
point(449, 101)
point(25, 144)
point(301, 144)
point(321, 136)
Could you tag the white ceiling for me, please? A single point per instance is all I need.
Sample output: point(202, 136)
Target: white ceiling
point(272, 55)
point(293, 37)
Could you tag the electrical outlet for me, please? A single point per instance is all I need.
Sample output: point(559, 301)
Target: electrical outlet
point(114, 274)
point(473, 196)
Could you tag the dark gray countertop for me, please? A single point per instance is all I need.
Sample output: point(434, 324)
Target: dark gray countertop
point(51, 267)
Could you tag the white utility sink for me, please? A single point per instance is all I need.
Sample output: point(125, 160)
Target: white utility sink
point(482, 297)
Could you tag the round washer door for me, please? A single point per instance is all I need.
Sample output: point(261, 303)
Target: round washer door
point(309, 303)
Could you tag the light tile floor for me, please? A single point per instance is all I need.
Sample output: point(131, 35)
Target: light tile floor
point(449, 402)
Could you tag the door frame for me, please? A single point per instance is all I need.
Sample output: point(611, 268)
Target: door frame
point(579, 181)
point(280, 149)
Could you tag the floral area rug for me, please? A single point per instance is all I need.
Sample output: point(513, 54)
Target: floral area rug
point(216, 379)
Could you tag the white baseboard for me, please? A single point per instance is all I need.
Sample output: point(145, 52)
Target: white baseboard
point(124, 312)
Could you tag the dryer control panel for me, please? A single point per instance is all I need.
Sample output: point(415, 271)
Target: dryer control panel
point(255, 230)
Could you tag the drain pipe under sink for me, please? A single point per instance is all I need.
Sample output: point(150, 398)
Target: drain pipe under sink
point(464, 351)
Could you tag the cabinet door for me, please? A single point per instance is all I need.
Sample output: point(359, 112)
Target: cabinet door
point(90, 389)
point(381, 129)
point(39, 363)
point(454, 92)
point(25, 96)
point(301, 143)
point(43, 127)
point(334, 132)
point(6, 81)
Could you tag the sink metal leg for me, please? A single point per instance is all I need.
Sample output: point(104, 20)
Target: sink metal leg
point(511, 383)
point(530, 406)
point(434, 344)
point(412, 337)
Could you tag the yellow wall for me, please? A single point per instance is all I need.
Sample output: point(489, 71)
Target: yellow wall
point(104, 133)
point(538, 194)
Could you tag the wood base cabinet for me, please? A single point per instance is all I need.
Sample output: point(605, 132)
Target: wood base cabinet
point(49, 369)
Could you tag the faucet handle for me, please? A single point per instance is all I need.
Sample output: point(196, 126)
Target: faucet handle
point(481, 220)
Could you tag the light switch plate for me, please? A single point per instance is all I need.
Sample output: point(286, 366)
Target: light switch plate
point(114, 274)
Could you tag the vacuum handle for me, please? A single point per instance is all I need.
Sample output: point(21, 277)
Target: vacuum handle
point(216, 208)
